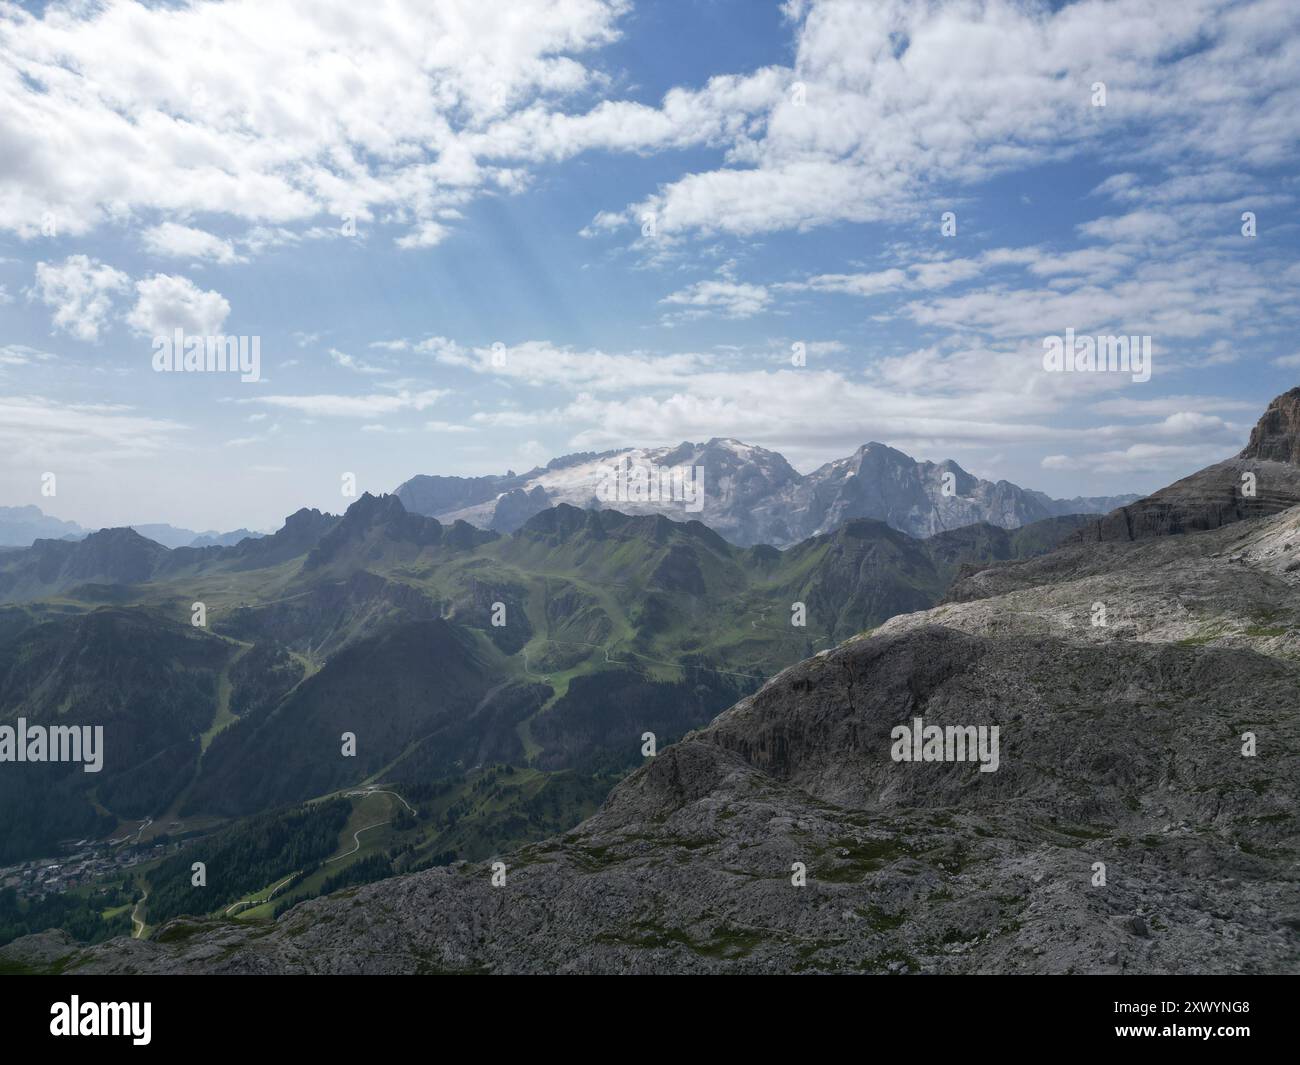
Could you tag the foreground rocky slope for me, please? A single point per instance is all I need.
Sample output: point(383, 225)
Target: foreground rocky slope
point(1234, 587)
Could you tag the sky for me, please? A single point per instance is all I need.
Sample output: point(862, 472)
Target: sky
point(470, 236)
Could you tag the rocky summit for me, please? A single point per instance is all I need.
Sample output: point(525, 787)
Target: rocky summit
point(1277, 436)
point(1263, 479)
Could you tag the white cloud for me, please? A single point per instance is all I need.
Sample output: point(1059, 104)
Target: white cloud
point(896, 92)
point(184, 242)
point(1136, 225)
point(1204, 183)
point(872, 284)
point(366, 406)
point(404, 113)
point(36, 429)
point(930, 274)
point(348, 362)
point(81, 291)
point(166, 302)
point(21, 355)
point(929, 401)
point(269, 433)
point(722, 112)
point(731, 299)
point(1128, 407)
point(1191, 294)
point(274, 112)
point(539, 362)
point(1138, 458)
point(1193, 425)
point(424, 235)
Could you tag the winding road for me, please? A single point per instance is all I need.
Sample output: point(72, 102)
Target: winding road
point(380, 791)
point(138, 833)
point(136, 933)
point(356, 840)
point(269, 897)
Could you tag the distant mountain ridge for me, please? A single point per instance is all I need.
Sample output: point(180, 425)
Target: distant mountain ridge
point(754, 496)
point(171, 536)
point(20, 526)
point(23, 526)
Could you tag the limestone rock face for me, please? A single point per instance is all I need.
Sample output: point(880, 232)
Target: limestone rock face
point(1220, 494)
point(1209, 499)
point(1277, 436)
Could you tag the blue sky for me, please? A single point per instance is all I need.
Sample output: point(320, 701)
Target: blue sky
point(196, 166)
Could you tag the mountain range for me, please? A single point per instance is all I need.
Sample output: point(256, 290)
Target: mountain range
point(22, 526)
point(599, 610)
point(1142, 669)
point(754, 496)
point(749, 495)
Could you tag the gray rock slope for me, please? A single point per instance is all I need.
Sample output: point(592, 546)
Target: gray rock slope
point(1235, 587)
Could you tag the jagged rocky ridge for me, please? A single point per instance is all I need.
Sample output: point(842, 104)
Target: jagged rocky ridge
point(754, 496)
point(1263, 479)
